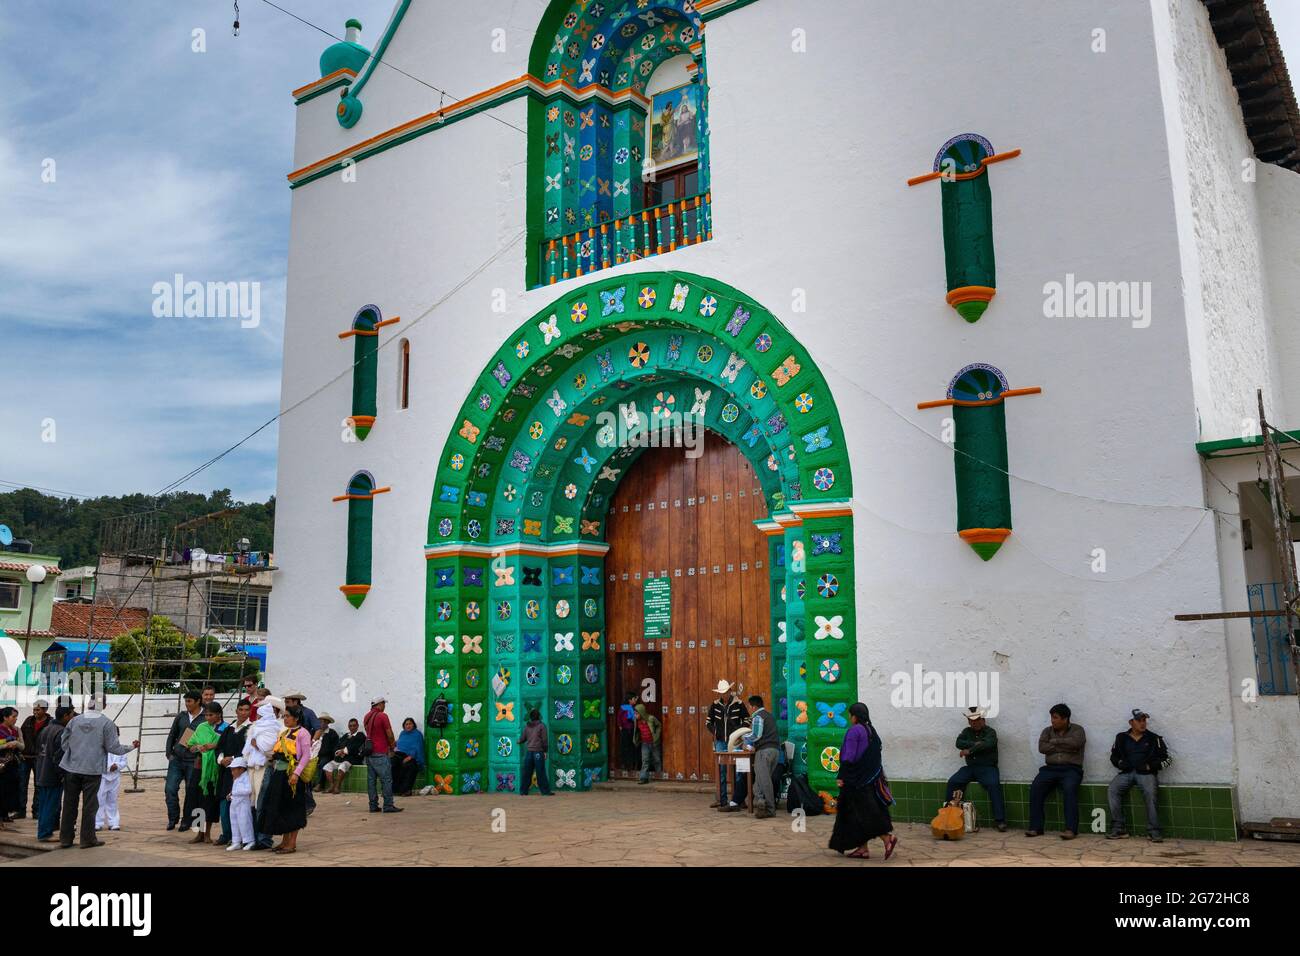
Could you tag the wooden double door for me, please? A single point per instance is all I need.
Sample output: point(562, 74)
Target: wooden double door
point(689, 521)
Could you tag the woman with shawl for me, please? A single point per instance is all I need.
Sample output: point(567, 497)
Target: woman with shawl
point(203, 743)
point(284, 810)
point(408, 758)
point(864, 801)
point(11, 748)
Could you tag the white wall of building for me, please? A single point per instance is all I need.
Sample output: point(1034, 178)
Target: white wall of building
point(810, 155)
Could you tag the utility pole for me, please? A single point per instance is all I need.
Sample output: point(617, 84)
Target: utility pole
point(1280, 511)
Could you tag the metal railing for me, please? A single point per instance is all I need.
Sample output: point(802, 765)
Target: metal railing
point(638, 235)
point(1272, 649)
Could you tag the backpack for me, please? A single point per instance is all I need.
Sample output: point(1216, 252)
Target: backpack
point(439, 713)
point(802, 796)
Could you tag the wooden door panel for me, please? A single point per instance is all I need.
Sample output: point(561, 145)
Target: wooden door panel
point(716, 611)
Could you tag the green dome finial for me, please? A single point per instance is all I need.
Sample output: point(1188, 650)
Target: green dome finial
point(347, 54)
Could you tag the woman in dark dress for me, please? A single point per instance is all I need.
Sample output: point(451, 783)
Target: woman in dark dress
point(862, 812)
point(284, 811)
point(11, 748)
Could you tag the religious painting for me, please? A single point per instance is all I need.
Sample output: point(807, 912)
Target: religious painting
point(673, 128)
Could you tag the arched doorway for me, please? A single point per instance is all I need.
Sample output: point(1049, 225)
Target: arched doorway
point(516, 603)
point(681, 528)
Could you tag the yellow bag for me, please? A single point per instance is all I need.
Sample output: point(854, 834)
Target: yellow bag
point(949, 824)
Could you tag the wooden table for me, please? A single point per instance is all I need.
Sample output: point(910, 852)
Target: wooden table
point(728, 758)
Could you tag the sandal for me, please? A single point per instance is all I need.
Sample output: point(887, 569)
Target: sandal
point(890, 844)
point(280, 849)
point(861, 853)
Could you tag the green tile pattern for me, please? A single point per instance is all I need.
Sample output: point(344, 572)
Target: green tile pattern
point(1186, 812)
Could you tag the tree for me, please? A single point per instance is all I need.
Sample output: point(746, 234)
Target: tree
point(132, 652)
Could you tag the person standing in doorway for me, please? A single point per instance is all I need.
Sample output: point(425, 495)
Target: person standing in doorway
point(625, 720)
point(764, 740)
point(31, 730)
point(179, 757)
point(379, 763)
point(649, 733)
point(1062, 744)
point(726, 715)
point(535, 741)
point(87, 741)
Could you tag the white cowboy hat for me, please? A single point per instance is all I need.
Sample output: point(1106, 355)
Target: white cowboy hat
point(295, 695)
point(381, 699)
point(974, 713)
point(326, 719)
point(723, 687)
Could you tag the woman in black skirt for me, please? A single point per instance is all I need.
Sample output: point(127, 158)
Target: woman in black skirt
point(862, 812)
point(284, 811)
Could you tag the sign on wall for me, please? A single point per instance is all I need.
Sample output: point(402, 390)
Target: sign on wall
point(658, 607)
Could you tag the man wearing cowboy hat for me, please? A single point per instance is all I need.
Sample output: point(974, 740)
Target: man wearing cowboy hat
point(978, 743)
point(307, 719)
point(325, 744)
point(1139, 755)
point(726, 715)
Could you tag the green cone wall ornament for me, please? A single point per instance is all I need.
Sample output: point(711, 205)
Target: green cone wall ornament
point(977, 395)
point(961, 166)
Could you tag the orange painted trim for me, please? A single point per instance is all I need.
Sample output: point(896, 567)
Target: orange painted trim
point(985, 535)
point(354, 588)
point(323, 81)
point(970, 293)
point(377, 491)
point(368, 332)
point(984, 164)
point(469, 101)
point(1009, 393)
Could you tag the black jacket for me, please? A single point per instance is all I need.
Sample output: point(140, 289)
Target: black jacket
point(725, 719)
point(1149, 753)
point(231, 744)
point(179, 724)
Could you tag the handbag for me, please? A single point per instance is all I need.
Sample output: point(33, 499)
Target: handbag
point(970, 817)
point(949, 823)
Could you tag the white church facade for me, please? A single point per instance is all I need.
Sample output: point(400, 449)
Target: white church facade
point(845, 351)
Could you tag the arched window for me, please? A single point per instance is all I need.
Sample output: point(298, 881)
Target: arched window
point(365, 368)
point(404, 374)
point(618, 136)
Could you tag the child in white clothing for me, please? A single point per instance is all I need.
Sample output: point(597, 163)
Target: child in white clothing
point(108, 815)
point(242, 836)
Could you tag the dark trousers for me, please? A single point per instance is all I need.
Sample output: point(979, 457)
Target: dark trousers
point(49, 800)
point(404, 774)
point(25, 773)
point(85, 785)
point(177, 773)
point(193, 815)
point(534, 760)
point(1067, 777)
point(988, 778)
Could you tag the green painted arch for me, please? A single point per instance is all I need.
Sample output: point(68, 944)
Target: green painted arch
point(365, 370)
point(498, 602)
point(612, 316)
point(573, 501)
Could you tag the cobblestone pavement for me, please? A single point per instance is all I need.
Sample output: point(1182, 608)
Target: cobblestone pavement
point(641, 826)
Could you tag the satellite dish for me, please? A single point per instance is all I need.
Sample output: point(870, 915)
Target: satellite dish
point(6, 536)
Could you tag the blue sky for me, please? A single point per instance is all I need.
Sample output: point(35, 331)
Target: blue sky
point(166, 161)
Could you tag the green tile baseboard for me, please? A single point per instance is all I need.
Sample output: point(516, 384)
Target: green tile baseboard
point(1186, 812)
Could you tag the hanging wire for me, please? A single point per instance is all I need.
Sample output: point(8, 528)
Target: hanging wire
point(236, 24)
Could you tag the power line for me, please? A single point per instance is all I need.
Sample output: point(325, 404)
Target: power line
point(443, 93)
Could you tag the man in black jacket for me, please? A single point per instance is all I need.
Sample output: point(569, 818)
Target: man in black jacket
point(1139, 755)
point(180, 759)
point(348, 753)
point(726, 715)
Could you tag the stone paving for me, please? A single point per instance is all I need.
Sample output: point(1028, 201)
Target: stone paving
point(618, 824)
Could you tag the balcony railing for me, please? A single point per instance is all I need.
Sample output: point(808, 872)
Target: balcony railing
point(639, 235)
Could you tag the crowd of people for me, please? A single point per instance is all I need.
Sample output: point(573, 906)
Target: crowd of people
point(256, 776)
point(863, 801)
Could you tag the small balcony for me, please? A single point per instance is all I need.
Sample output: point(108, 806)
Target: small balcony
point(640, 235)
